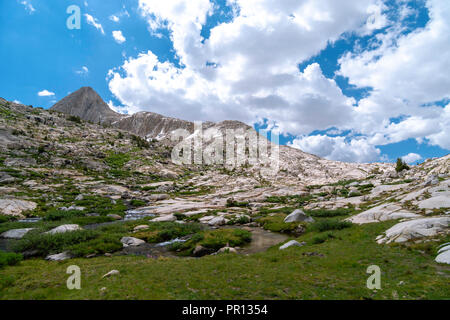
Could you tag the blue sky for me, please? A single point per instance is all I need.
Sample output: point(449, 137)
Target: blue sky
point(347, 82)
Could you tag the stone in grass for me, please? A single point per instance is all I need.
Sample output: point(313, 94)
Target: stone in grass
point(443, 257)
point(15, 233)
point(298, 216)
point(114, 216)
point(59, 257)
point(141, 227)
point(111, 273)
point(64, 228)
point(130, 241)
point(292, 243)
point(227, 250)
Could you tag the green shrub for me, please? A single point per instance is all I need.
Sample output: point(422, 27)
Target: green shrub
point(329, 213)
point(329, 224)
point(46, 244)
point(234, 203)
point(117, 160)
point(56, 215)
point(165, 231)
point(138, 203)
point(321, 238)
point(9, 259)
point(74, 119)
point(276, 223)
point(214, 240)
point(401, 165)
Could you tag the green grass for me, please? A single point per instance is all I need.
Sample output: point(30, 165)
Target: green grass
point(164, 231)
point(330, 213)
point(329, 224)
point(275, 274)
point(214, 240)
point(275, 223)
point(9, 259)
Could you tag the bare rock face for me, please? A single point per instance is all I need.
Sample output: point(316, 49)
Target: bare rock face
point(15, 233)
point(383, 212)
point(416, 229)
point(88, 105)
point(13, 207)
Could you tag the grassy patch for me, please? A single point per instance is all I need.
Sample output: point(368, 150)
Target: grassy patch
point(214, 240)
point(329, 224)
point(9, 259)
point(275, 223)
point(330, 213)
point(164, 231)
point(274, 274)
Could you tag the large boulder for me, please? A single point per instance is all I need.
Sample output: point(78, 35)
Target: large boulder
point(130, 241)
point(298, 216)
point(217, 221)
point(14, 207)
point(415, 229)
point(383, 212)
point(165, 218)
point(59, 257)
point(292, 243)
point(64, 228)
point(15, 233)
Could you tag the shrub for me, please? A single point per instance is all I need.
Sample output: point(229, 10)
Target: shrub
point(234, 203)
point(276, 223)
point(329, 213)
point(322, 238)
point(138, 203)
point(214, 240)
point(165, 231)
point(9, 259)
point(329, 224)
point(401, 165)
point(74, 119)
point(46, 244)
point(140, 143)
point(56, 215)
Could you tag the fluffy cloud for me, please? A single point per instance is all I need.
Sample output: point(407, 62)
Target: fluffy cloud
point(83, 71)
point(45, 93)
point(28, 6)
point(338, 148)
point(94, 22)
point(412, 157)
point(118, 36)
point(248, 70)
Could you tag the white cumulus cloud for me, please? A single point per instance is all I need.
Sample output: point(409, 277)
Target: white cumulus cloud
point(412, 157)
point(94, 22)
point(118, 36)
point(45, 93)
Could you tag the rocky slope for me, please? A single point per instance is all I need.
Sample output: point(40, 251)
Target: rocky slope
point(88, 172)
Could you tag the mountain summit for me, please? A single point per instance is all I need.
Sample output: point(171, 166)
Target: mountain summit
point(88, 105)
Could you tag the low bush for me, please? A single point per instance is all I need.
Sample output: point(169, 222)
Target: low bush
point(329, 213)
point(9, 259)
point(276, 223)
point(165, 231)
point(56, 215)
point(329, 224)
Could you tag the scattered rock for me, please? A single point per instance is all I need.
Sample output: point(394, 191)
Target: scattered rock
point(159, 197)
point(14, 207)
point(141, 227)
point(201, 251)
point(64, 228)
point(111, 273)
point(114, 216)
point(217, 221)
point(443, 257)
point(414, 229)
point(15, 233)
point(59, 257)
point(292, 243)
point(227, 250)
point(166, 218)
point(298, 216)
point(130, 241)
point(383, 212)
